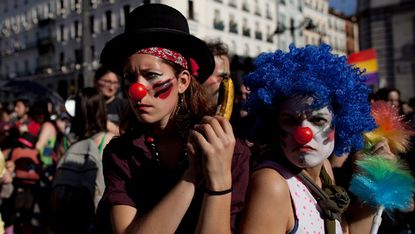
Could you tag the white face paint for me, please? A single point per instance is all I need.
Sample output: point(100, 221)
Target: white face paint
point(295, 113)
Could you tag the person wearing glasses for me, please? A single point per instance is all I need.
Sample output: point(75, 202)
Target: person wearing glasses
point(107, 83)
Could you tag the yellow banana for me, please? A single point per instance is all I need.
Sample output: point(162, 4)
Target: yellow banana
point(2, 166)
point(226, 97)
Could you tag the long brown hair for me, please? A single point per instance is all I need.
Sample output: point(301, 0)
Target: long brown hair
point(90, 113)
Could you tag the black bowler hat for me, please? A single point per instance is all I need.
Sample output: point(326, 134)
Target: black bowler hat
point(157, 25)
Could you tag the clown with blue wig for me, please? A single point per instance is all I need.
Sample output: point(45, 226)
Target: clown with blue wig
point(310, 105)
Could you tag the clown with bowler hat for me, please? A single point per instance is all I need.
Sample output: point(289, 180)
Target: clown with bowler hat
point(176, 168)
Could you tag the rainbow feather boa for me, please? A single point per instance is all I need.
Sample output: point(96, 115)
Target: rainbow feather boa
point(378, 181)
point(383, 182)
point(390, 126)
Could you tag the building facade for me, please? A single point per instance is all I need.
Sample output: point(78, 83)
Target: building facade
point(318, 12)
point(352, 35)
point(336, 32)
point(58, 42)
point(291, 23)
point(389, 27)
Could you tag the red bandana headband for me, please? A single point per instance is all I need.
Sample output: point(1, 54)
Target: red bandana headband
point(171, 56)
point(166, 54)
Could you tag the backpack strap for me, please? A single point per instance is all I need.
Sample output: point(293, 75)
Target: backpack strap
point(333, 200)
point(101, 145)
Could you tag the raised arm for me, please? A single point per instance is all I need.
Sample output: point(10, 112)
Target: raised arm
point(214, 140)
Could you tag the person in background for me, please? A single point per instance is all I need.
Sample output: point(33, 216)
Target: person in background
point(6, 189)
point(175, 168)
point(390, 95)
point(4, 125)
point(240, 120)
point(63, 124)
point(89, 121)
point(45, 144)
point(222, 70)
point(108, 84)
point(25, 163)
point(310, 104)
point(19, 123)
point(23, 122)
point(47, 135)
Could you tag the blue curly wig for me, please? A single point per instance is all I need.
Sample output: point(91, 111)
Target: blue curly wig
point(313, 71)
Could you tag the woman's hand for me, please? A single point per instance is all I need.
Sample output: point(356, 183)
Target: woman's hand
point(382, 148)
point(213, 138)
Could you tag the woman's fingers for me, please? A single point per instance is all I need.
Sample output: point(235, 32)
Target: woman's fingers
point(382, 148)
point(214, 138)
point(214, 132)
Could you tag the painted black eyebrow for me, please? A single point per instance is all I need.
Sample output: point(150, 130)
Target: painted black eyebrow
point(162, 83)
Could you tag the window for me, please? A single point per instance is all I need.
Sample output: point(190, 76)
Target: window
point(245, 6)
point(245, 29)
point(258, 33)
point(191, 10)
point(78, 56)
point(126, 11)
point(257, 9)
point(108, 17)
point(92, 24)
point(93, 52)
point(77, 29)
point(233, 26)
point(269, 34)
point(62, 32)
point(217, 22)
point(268, 11)
point(61, 59)
point(61, 4)
point(232, 3)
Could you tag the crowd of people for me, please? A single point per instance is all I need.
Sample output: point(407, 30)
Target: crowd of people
point(165, 161)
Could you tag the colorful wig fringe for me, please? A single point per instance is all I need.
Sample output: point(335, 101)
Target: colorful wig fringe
point(314, 71)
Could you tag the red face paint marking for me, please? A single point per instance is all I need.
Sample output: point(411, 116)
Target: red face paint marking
point(331, 135)
point(163, 88)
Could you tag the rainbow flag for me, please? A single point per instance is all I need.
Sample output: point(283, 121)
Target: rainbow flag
point(366, 59)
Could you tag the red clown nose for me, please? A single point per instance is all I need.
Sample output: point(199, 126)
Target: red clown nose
point(303, 135)
point(137, 92)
